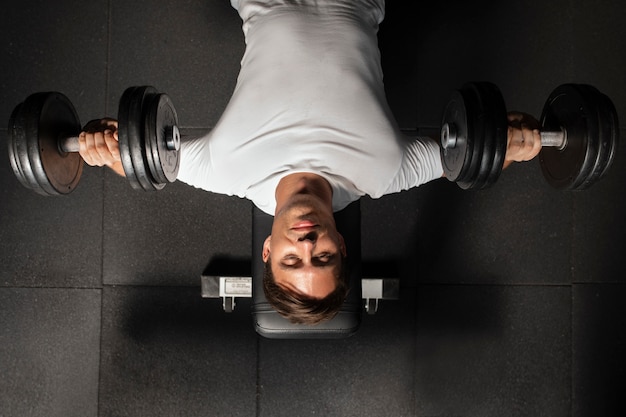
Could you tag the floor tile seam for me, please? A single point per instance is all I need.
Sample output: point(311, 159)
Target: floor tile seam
point(161, 286)
point(571, 346)
point(416, 335)
point(258, 378)
point(45, 287)
point(572, 239)
point(481, 284)
point(592, 283)
point(107, 80)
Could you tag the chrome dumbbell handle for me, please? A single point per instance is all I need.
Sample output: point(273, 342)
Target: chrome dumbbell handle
point(69, 144)
point(557, 139)
point(172, 140)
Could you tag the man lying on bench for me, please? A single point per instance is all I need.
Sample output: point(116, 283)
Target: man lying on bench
point(307, 131)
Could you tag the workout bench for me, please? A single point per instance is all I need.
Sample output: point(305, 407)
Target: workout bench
point(268, 322)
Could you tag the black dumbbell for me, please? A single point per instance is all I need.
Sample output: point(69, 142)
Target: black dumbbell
point(579, 136)
point(43, 141)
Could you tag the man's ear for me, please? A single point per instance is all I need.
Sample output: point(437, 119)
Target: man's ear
point(266, 248)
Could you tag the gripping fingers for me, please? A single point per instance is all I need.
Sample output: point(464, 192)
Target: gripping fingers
point(99, 148)
point(110, 137)
point(524, 139)
point(524, 144)
point(104, 141)
point(532, 145)
point(89, 148)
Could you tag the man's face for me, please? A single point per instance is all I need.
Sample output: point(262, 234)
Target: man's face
point(306, 249)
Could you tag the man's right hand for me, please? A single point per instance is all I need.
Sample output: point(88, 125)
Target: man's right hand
point(523, 138)
point(99, 144)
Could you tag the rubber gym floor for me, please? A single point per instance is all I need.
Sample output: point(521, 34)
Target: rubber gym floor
point(512, 298)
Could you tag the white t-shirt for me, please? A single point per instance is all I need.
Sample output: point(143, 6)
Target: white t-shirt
point(309, 98)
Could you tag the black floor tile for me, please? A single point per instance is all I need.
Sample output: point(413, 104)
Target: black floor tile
point(50, 241)
point(190, 50)
point(493, 351)
point(59, 47)
point(167, 352)
point(517, 231)
point(598, 45)
point(169, 237)
point(388, 228)
point(599, 239)
point(398, 48)
point(62, 47)
point(599, 337)
point(517, 46)
point(49, 352)
point(368, 374)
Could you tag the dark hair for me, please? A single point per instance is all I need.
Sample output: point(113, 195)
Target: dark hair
point(300, 309)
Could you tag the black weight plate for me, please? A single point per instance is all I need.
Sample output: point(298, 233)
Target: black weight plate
point(498, 131)
point(149, 141)
point(572, 107)
point(123, 142)
point(474, 140)
point(36, 127)
point(58, 120)
point(164, 162)
point(608, 136)
point(131, 127)
point(16, 137)
point(456, 160)
point(490, 133)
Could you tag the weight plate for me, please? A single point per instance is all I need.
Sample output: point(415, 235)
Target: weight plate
point(608, 136)
point(475, 138)
point(132, 142)
point(123, 142)
point(148, 141)
point(498, 130)
point(490, 133)
point(160, 118)
point(576, 109)
point(150, 134)
point(456, 159)
point(35, 129)
point(17, 136)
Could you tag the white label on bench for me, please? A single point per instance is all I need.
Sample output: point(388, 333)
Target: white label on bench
point(235, 287)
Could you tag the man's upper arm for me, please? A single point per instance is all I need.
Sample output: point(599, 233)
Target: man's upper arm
point(421, 163)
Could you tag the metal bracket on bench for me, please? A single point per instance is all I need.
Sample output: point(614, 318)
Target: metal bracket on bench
point(229, 288)
point(375, 289)
point(226, 288)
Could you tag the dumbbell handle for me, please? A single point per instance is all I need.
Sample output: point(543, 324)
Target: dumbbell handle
point(557, 139)
point(69, 144)
point(172, 140)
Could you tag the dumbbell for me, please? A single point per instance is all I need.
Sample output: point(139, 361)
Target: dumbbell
point(579, 136)
point(43, 141)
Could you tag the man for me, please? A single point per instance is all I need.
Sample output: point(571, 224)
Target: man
point(306, 132)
